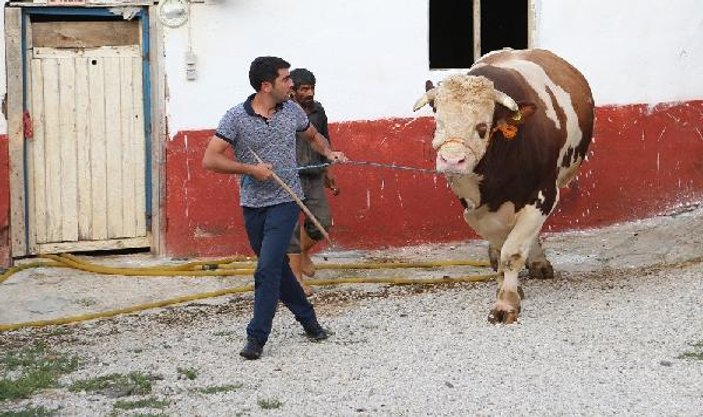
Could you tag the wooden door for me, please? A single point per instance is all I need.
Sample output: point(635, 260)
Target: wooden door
point(86, 160)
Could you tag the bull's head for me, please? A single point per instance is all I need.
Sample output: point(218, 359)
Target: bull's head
point(464, 110)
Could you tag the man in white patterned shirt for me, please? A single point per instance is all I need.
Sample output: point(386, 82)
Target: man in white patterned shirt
point(266, 124)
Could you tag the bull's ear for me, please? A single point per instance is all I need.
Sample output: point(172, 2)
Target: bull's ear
point(525, 110)
point(426, 98)
point(428, 85)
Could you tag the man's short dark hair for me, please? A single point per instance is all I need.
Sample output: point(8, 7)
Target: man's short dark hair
point(302, 76)
point(265, 69)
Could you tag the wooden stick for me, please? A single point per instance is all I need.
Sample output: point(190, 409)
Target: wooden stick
point(297, 200)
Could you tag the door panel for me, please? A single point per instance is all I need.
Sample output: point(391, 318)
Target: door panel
point(87, 180)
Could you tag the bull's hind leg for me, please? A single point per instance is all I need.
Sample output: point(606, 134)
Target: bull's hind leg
point(537, 263)
point(494, 256)
point(513, 256)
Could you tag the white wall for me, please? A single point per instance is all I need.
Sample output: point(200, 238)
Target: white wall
point(631, 51)
point(371, 56)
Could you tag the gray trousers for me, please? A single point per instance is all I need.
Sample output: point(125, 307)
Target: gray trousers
point(316, 201)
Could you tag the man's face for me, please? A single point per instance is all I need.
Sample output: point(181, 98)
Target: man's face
point(282, 86)
point(304, 94)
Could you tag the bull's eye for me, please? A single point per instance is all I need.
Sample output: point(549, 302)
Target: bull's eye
point(482, 129)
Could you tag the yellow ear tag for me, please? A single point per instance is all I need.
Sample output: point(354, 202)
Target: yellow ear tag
point(517, 116)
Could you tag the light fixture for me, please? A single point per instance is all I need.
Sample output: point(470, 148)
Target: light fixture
point(173, 13)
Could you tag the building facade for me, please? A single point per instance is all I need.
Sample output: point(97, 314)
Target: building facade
point(109, 107)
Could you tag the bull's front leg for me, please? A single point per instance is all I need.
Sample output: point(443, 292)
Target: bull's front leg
point(513, 256)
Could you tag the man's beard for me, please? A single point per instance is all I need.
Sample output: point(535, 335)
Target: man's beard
point(307, 102)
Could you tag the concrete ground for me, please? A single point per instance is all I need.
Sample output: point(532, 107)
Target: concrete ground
point(51, 293)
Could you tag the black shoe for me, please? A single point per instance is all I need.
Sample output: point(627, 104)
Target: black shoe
point(252, 350)
point(315, 332)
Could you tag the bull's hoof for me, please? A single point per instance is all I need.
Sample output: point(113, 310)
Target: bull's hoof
point(509, 316)
point(520, 292)
point(541, 270)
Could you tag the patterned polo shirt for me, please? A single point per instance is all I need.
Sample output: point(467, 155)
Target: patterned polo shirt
point(273, 140)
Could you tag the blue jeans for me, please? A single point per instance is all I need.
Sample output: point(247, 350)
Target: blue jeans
point(269, 230)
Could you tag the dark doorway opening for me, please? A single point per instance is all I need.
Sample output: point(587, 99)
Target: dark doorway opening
point(451, 34)
point(503, 24)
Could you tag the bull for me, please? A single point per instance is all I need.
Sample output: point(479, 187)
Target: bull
point(509, 134)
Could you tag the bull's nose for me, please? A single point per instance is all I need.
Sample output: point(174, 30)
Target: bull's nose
point(455, 160)
point(450, 163)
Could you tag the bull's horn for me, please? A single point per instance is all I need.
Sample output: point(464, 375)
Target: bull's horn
point(426, 98)
point(505, 100)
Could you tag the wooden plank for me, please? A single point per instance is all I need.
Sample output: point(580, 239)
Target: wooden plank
point(477, 29)
point(129, 151)
point(137, 242)
point(98, 149)
point(531, 24)
point(15, 129)
point(85, 34)
point(67, 142)
point(103, 52)
point(113, 132)
point(89, 3)
point(158, 129)
point(52, 147)
point(83, 150)
point(140, 150)
point(64, 2)
point(37, 167)
point(29, 159)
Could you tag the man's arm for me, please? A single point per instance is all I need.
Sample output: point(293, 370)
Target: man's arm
point(320, 145)
point(216, 160)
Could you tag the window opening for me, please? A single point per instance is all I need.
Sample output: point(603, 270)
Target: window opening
point(462, 30)
point(451, 34)
point(503, 25)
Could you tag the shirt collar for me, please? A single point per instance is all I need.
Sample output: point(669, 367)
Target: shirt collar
point(250, 110)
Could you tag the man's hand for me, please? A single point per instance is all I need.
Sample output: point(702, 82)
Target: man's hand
point(261, 172)
point(335, 156)
point(331, 182)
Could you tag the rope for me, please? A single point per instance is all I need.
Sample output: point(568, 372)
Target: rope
point(365, 163)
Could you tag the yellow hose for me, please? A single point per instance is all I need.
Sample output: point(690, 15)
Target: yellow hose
point(141, 272)
point(190, 266)
point(241, 289)
point(225, 267)
point(117, 311)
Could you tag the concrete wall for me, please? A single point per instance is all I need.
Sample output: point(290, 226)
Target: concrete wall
point(631, 51)
point(371, 61)
point(643, 59)
point(4, 164)
point(371, 57)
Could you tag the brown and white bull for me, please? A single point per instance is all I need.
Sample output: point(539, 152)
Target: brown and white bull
point(508, 135)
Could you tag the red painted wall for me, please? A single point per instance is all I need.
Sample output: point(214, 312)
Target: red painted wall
point(643, 161)
point(4, 202)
